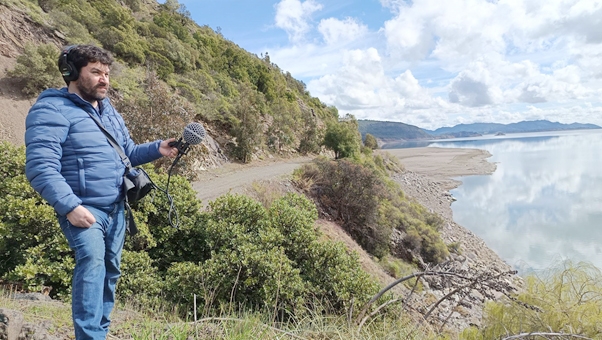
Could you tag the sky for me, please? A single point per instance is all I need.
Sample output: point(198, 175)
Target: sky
point(429, 63)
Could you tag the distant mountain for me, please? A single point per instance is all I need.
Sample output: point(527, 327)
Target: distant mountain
point(398, 132)
point(392, 130)
point(525, 126)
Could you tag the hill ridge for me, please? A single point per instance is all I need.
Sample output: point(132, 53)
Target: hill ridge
point(388, 131)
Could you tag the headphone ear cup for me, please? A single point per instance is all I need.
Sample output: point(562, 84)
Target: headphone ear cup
point(73, 74)
point(67, 68)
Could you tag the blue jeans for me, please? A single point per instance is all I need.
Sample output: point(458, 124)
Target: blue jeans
point(97, 258)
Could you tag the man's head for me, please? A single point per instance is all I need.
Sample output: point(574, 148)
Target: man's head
point(85, 69)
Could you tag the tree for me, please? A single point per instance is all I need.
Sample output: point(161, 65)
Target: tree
point(247, 127)
point(370, 142)
point(343, 137)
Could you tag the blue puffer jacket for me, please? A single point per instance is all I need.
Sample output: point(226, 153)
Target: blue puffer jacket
point(69, 160)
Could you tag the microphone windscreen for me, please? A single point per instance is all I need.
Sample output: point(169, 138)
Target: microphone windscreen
point(194, 133)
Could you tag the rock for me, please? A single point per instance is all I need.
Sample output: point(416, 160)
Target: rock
point(11, 323)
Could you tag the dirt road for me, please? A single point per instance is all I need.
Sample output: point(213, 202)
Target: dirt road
point(235, 178)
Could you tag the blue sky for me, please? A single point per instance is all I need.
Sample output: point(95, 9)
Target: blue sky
point(429, 63)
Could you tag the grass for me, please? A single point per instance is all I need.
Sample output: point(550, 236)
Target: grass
point(129, 323)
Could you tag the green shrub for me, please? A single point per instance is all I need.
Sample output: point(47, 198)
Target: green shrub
point(75, 32)
point(567, 300)
point(37, 69)
point(369, 205)
point(140, 280)
point(349, 193)
point(31, 247)
point(269, 259)
point(158, 113)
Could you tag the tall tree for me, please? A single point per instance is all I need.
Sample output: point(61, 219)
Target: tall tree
point(343, 137)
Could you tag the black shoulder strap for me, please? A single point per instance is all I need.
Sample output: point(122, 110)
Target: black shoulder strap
point(124, 158)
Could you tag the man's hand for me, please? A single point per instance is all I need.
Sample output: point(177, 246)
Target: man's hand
point(166, 150)
point(81, 217)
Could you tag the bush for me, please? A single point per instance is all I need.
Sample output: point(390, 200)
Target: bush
point(350, 193)
point(369, 205)
point(140, 280)
point(32, 249)
point(159, 114)
point(37, 69)
point(269, 259)
point(567, 300)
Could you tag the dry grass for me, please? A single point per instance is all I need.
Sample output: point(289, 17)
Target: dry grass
point(267, 191)
point(129, 323)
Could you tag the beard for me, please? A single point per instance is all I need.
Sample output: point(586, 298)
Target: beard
point(91, 92)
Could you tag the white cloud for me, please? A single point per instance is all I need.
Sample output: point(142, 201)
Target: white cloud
point(362, 88)
point(337, 31)
point(491, 61)
point(293, 16)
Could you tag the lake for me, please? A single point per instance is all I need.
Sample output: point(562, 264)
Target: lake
point(543, 204)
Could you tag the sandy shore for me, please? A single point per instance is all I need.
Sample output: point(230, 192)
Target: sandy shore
point(444, 164)
point(429, 175)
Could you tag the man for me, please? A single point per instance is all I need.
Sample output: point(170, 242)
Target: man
point(72, 165)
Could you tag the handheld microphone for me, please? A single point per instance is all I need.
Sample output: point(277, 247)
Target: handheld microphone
point(194, 133)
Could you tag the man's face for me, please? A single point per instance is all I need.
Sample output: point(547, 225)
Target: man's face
point(93, 82)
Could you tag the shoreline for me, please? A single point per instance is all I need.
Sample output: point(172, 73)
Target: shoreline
point(428, 176)
point(444, 164)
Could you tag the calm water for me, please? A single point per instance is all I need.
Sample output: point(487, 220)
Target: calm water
point(543, 204)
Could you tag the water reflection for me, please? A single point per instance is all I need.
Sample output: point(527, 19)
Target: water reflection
point(542, 205)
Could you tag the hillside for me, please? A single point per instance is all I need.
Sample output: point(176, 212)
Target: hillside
point(392, 130)
point(525, 126)
point(165, 63)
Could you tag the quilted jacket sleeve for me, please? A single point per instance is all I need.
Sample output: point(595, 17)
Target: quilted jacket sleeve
point(142, 153)
point(46, 130)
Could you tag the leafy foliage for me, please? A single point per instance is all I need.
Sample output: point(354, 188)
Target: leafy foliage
point(36, 67)
point(343, 138)
point(370, 142)
point(370, 206)
point(257, 106)
point(156, 113)
point(238, 253)
point(270, 259)
point(349, 193)
point(565, 301)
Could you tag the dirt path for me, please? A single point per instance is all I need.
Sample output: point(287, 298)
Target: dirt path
point(235, 178)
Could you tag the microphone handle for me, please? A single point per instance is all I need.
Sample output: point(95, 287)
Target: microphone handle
point(176, 144)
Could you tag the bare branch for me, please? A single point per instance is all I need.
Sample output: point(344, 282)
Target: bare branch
point(405, 278)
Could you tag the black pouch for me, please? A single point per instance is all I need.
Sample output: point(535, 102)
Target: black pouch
point(136, 184)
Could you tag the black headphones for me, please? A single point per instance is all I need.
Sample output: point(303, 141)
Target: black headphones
point(66, 67)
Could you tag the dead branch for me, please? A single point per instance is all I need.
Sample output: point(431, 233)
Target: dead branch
point(405, 278)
